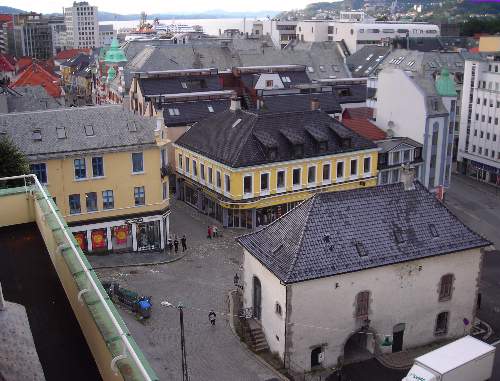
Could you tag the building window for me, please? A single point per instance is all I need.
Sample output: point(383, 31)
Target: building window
point(488, 136)
point(210, 175)
point(139, 196)
point(481, 134)
point(367, 164)
point(269, 83)
point(354, 167)
point(97, 167)
point(311, 175)
point(40, 171)
point(80, 170)
point(446, 287)
point(202, 171)
point(108, 199)
point(296, 177)
point(326, 172)
point(384, 177)
point(187, 164)
point(195, 168)
point(227, 183)
point(218, 179)
point(340, 169)
point(91, 201)
point(362, 304)
point(441, 324)
point(395, 175)
point(165, 190)
point(180, 161)
point(475, 132)
point(264, 182)
point(74, 204)
point(280, 179)
point(277, 308)
point(137, 162)
point(247, 184)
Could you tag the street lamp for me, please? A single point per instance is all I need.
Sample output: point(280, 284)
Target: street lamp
point(185, 375)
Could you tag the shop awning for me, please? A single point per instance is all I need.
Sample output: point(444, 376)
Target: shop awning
point(486, 167)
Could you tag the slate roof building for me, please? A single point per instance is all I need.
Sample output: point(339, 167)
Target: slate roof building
point(361, 273)
point(36, 75)
point(247, 168)
point(103, 166)
point(26, 98)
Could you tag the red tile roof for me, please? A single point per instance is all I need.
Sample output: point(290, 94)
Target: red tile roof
point(23, 63)
point(70, 53)
point(5, 18)
point(357, 113)
point(7, 63)
point(365, 128)
point(36, 74)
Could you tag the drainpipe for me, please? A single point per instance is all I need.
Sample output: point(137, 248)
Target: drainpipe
point(286, 323)
point(2, 301)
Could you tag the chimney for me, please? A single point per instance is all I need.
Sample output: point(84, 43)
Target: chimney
point(2, 301)
point(235, 104)
point(315, 104)
point(408, 177)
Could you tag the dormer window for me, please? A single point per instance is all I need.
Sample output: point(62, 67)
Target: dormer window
point(89, 130)
point(173, 111)
point(61, 132)
point(37, 135)
point(269, 83)
point(322, 147)
point(210, 108)
point(298, 150)
point(184, 85)
point(272, 153)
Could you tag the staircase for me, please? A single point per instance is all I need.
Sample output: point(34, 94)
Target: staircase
point(254, 336)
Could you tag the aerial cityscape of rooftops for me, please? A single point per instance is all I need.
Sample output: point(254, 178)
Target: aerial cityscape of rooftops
point(309, 194)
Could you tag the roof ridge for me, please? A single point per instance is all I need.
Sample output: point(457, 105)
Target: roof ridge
point(244, 141)
point(310, 201)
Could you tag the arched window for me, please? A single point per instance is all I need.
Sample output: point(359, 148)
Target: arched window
point(446, 287)
point(362, 304)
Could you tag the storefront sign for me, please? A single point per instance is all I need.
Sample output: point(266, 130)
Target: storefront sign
point(121, 234)
point(134, 221)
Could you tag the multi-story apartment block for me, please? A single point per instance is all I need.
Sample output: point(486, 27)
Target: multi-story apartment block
point(281, 32)
point(479, 141)
point(82, 26)
point(102, 165)
point(6, 26)
point(246, 169)
point(426, 114)
point(58, 34)
point(32, 36)
point(106, 34)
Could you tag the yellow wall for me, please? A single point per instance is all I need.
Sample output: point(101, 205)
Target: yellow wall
point(489, 44)
point(117, 177)
point(275, 198)
point(16, 207)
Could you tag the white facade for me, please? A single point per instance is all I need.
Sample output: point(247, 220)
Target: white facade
point(59, 35)
point(479, 140)
point(321, 313)
point(280, 32)
point(106, 34)
point(421, 115)
point(82, 26)
point(314, 30)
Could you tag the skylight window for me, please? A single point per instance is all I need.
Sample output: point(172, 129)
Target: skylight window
point(369, 57)
point(61, 132)
point(173, 111)
point(321, 68)
point(286, 79)
point(210, 108)
point(433, 230)
point(132, 126)
point(184, 85)
point(310, 69)
point(238, 121)
point(89, 130)
point(398, 235)
point(37, 135)
point(361, 249)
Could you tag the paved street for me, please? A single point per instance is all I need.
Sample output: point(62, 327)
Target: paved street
point(200, 281)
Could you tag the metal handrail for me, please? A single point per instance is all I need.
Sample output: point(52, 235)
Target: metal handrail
point(122, 334)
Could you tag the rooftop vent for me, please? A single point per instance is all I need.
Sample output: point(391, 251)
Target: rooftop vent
point(433, 230)
point(37, 135)
point(235, 104)
point(399, 236)
point(361, 249)
point(61, 132)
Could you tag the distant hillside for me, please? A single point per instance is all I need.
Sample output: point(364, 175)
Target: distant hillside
point(10, 10)
point(214, 14)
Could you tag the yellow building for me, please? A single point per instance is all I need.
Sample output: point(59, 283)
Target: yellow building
point(103, 166)
point(488, 44)
point(246, 169)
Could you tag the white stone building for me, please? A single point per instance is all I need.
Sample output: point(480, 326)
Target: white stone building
point(281, 32)
point(479, 140)
point(423, 109)
point(347, 275)
point(82, 25)
point(58, 34)
point(106, 34)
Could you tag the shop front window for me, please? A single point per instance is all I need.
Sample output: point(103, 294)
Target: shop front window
point(99, 240)
point(121, 238)
point(191, 196)
point(81, 239)
point(148, 236)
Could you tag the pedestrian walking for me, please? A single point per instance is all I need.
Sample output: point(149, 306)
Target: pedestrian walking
point(211, 317)
point(216, 231)
point(209, 232)
point(183, 242)
point(170, 245)
point(176, 244)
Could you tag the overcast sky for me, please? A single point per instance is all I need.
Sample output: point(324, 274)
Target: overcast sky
point(160, 6)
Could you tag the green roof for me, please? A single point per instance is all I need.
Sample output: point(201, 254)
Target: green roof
point(111, 73)
point(114, 54)
point(445, 85)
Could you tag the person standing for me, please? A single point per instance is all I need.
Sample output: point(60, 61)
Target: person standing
point(216, 231)
point(183, 242)
point(209, 232)
point(170, 245)
point(211, 317)
point(176, 244)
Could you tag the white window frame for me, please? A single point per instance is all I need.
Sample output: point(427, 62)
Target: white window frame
point(283, 188)
point(265, 192)
point(247, 194)
point(369, 173)
point(337, 178)
point(313, 184)
point(203, 176)
point(329, 180)
point(299, 186)
point(217, 175)
point(356, 175)
point(226, 177)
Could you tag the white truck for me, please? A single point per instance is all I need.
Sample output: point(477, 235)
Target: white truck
point(466, 359)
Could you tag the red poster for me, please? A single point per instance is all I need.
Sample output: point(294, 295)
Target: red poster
point(98, 239)
point(121, 234)
point(81, 238)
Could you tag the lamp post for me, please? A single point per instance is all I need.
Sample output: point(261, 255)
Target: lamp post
point(185, 375)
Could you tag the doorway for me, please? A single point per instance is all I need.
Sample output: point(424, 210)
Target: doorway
point(356, 348)
point(316, 357)
point(397, 337)
point(257, 298)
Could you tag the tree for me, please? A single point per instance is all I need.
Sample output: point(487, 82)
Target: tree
point(12, 161)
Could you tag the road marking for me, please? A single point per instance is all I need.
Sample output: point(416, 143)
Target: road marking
point(495, 343)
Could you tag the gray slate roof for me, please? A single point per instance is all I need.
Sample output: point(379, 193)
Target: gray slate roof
point(157, 86)
point(26, 98)
point(296, 78)
point(387, 145)
point(112, 127)
point(325, 235)
point(192, 111)
point(301, 102)
point(244, 143)
point(364, 62)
